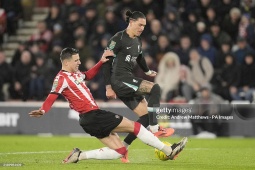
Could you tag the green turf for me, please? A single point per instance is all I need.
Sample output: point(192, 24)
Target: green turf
point(46, 153)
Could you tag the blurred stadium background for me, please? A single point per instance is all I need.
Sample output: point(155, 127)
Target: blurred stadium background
point(218, 80)
point(32, 33)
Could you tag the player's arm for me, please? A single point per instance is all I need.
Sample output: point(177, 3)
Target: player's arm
point(110, 94)
point(45, 107)
point(115, 45)
point(143, 65)
point(107, 71)
point(58, 85)
point(94, 70)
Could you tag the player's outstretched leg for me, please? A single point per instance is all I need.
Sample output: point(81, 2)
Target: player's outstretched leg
point(106, 153)
point(117, 149)
point(148, 138)
point(102, 153)
point(112, 141)
point(144, 120)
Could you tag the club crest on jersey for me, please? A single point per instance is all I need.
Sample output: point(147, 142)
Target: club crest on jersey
point(55, 84)
point(112, 45)
point(78, 81)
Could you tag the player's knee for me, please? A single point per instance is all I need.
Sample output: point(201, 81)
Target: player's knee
point(129, 125)
point(156, 90)
point(144, 102)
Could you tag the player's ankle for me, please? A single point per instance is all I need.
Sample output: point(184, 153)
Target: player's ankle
point(125, 144)
point(154, 128)
point(167, 150)
point(82, 156)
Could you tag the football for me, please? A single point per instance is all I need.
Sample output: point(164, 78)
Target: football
point(161, 155)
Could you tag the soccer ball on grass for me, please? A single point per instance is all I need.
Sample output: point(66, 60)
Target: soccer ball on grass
point(161, 155)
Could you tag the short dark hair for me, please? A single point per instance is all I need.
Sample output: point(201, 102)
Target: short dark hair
point(67, 53)
point(134, 15)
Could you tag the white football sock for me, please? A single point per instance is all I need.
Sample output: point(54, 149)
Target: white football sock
point(167, 150)
point(148, 138)
point(154, 128)
point(102, 153)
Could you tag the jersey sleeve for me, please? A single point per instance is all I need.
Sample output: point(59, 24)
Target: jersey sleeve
point(142, 63)
point(93, 71)
point(115, 45)
point(140, 59)
point(59, 84)
point(49, 102)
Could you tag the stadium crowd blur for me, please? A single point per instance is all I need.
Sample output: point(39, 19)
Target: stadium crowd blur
point(191, 44)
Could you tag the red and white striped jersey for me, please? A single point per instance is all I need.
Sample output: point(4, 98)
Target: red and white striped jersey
point(72, 86)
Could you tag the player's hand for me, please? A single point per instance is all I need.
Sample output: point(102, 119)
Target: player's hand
point(107, 53)
point(36, 113)
point(110, 94)
point(153, 73)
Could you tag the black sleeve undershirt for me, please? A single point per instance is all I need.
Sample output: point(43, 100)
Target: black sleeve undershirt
point(142, 63)
point(107, 70)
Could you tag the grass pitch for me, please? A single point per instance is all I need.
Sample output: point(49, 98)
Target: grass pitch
point(35, 152)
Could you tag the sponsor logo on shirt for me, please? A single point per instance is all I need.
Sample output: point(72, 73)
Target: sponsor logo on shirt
point(78, 81)
point(133, 59)
point(55, 84)
point(128, 57)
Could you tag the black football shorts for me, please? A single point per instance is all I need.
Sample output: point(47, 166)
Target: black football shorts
point(99, 123)
point(126, 89)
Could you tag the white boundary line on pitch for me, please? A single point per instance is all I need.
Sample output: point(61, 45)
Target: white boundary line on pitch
point(49, 152)
point(184, 149)
point(40, 152)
